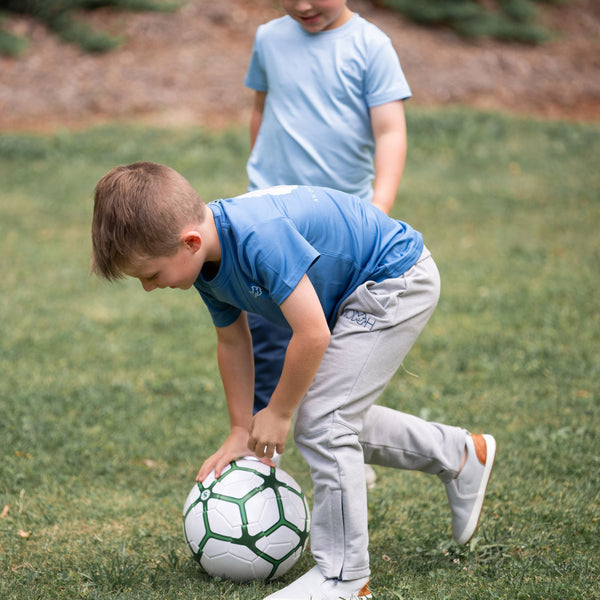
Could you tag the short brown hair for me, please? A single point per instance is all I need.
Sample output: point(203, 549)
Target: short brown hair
point(139, 212)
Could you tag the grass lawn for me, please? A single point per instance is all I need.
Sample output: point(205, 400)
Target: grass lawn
point(110, 397)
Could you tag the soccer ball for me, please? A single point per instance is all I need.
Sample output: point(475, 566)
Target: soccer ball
point(251, 523)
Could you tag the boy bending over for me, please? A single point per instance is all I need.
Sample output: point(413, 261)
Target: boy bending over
point(355, 287)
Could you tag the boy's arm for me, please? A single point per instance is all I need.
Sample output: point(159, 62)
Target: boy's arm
point(389, 131)
point(236, 365)
point(310, 338)
point(256, 116)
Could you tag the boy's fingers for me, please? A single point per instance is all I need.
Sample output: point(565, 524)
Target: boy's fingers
point(268, 462)
point(212, 464)
point(264, 450)
point(252, 446)
point(204, 471)
point(222, 463)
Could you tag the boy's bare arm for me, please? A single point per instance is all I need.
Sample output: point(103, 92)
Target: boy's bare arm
point(256, 116)
point(389, 131)
point(308, 343)
point(236, 365)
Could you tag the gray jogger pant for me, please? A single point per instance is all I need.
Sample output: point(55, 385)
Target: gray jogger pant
point(338, 429)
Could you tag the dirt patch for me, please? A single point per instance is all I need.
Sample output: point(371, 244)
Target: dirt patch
point(188, 67)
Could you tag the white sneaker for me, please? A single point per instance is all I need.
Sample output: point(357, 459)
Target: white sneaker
point(467, 492)
point(315, 586)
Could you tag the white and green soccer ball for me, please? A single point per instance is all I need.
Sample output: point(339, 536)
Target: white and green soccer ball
point(251, 523)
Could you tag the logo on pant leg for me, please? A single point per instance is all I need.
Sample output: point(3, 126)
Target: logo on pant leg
point(362, 319)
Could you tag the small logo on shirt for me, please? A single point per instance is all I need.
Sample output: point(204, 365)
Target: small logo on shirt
point(256, 291)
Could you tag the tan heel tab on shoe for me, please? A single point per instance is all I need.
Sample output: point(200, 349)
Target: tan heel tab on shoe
point(480, 447)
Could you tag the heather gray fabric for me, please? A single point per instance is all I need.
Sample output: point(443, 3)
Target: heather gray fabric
point(337, 427)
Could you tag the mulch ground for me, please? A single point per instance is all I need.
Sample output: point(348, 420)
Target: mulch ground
point(187, 67)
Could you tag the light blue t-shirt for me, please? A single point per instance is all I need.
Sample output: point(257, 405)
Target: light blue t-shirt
point(316, 128)
point(267, 246)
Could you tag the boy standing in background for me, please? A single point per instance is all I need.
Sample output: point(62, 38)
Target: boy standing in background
point(327, 111)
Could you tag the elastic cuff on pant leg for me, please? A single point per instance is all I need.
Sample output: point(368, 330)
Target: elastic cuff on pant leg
point(349, 575)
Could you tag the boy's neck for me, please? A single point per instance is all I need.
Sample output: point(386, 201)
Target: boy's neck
point(212, 244)
point(343, 18)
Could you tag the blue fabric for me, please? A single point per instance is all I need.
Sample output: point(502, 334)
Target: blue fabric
point(269, 343)
point(271, 238)
point(316, 127)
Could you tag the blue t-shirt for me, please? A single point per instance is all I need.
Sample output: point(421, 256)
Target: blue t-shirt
point(316, 127)
point(267, 246)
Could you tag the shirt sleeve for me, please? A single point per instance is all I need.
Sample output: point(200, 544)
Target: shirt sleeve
point(256, 76)
point(385, 80)
point(221, 313)
point(279, 257)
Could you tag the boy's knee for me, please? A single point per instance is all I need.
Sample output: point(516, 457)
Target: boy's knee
point(329, 434)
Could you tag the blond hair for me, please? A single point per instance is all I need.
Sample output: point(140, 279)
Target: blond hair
point(139, 213)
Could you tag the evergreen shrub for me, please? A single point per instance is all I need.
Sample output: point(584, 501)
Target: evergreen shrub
point(509, 20)
point(57, 15)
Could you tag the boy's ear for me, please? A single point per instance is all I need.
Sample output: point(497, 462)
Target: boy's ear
point(191, 239)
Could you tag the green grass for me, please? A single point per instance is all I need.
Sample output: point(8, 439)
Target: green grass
point(110, 399)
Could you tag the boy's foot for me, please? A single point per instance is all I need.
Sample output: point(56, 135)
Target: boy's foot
point(467, 491)
point(315, 586)
point(370, 476)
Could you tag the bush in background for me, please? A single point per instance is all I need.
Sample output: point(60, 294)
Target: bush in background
point(509, 20)
point(57, 15)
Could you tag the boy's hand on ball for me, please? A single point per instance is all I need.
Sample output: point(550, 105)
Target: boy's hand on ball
point(268, 433)
point(235, 446)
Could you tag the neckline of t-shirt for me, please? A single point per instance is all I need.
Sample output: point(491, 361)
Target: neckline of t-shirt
point(217, 211)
